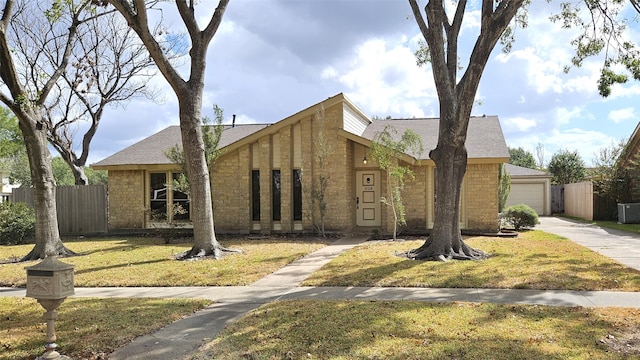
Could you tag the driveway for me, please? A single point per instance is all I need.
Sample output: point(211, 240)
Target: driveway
point(618, 245)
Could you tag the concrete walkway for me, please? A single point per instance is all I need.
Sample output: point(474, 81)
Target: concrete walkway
point(180, 339)
point(618, 245)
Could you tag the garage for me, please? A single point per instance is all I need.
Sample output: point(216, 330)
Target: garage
point(530, 187)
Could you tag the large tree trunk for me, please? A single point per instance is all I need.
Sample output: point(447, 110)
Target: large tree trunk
point(445, 241)
point(205, 242)
point(48, 242)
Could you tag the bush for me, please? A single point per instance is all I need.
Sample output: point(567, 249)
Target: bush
point(521, 216)
point(17, 223)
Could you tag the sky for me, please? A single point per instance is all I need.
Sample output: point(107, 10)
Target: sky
point(273, 58)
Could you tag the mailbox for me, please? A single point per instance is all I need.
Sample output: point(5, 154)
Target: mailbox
point(50, 282)
point(50, 279)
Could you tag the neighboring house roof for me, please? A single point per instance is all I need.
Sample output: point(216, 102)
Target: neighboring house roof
point(485, 139)
point(484, 136)
point(519, 171)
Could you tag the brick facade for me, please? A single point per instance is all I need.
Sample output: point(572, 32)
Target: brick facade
point(293, 144)
point(127, 199)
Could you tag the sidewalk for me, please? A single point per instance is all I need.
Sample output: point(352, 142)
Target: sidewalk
point(182, 338)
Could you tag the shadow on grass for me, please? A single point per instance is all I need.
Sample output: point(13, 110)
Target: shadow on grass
point(414, 330)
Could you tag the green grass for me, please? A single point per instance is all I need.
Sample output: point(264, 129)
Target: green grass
point(305, 329)
point(86, 328)
point(149, 262)
point(533, 260)
point(632, 228)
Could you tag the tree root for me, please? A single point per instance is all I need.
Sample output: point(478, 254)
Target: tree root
point(429, 252)
point(38, 254)
point(196, 253)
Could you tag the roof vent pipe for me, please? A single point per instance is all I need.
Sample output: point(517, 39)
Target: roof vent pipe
point(233, 122)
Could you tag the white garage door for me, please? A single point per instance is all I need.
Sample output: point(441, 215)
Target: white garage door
point(529, 194)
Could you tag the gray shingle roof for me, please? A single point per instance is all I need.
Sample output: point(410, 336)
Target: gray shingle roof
point(514, 170)
point(484, 136)
point(150, 151)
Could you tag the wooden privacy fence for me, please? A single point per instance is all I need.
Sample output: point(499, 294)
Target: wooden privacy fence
point(578, 200)
point(82, 210)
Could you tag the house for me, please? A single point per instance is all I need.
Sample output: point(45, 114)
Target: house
point(631, 158)
point(263, 180)
point(530, 187)
point(6, 188)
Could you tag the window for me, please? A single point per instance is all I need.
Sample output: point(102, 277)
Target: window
point(255, 195)
point(158, 206)
point(275, 195)
point(180, 202)
point(297, 194)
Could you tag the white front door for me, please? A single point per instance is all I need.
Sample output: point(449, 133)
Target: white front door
point(368, 198)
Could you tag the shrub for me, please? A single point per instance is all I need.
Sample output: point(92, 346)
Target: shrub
point(521, 216)
point(17, 223)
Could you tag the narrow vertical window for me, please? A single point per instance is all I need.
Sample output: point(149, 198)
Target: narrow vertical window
point(275, 195)
point(158, 196)
point(255, 195)
point(297, 194)
point(181, 201)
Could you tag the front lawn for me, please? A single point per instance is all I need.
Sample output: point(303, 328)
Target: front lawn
point(149, 262)
point(404, 330)
point(533, 260)
point(86, 328)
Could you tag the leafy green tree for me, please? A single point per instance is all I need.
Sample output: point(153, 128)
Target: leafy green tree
point(613, 174)
point(11, 141)
point(61, 172)
point(520, 157)
point(504, 187)
point(211, 135)
point(602, 28)
point(567, 167)
point(387, 150)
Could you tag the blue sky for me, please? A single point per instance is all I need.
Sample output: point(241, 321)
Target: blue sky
point(272, 58)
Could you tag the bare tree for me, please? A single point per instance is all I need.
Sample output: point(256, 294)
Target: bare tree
point(108, 67)
point(456, 98)
point(29, 82)
point(189, 93)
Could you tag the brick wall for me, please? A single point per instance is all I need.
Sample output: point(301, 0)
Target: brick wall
point(482, 197)
point(231, 191)
point(126, 199)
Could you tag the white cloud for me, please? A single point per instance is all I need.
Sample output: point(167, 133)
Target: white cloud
point(383, 77)
point(518, 124)
point(621, 115)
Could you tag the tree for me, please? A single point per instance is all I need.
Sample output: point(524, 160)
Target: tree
point(504, 187)
point(602, 33)
point(521, 157)
point(28, 83)
point(456, 96)
point(612, 175)
point(189, 93)
point(211, 140)
point(108, 67)
point(387, 150)
point(320, 183)
point(540, 155)
point(567, 167)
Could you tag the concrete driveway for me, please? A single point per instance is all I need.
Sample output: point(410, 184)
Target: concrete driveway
point(618, 245)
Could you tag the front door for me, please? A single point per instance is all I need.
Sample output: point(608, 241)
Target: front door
point(368, 198)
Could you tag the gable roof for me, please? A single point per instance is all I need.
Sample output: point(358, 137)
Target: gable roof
point(484, 136)
point(520, 171)
point(485, 139)
point(150, 151)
